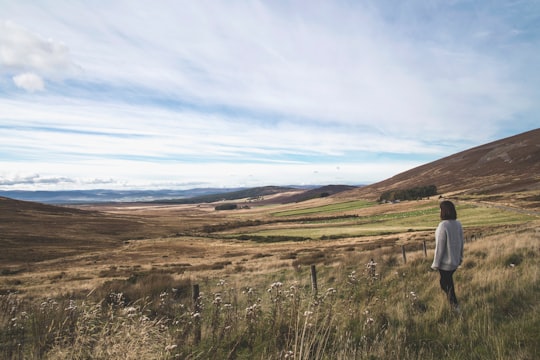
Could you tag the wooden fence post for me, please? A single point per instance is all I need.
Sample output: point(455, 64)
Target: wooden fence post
point(197, 310)
point(314, 280)
point(425, 248)
point(403, 254)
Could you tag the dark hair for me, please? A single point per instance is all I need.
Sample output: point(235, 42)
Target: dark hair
point(448, 210)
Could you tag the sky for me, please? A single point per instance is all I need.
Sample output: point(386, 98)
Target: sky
point(111, 94)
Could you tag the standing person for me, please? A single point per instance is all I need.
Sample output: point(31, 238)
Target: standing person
point(448, 250)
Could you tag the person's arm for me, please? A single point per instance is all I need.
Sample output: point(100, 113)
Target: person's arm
point(462, 241)
point(440, 245)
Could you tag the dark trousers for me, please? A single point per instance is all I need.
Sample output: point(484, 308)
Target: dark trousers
point(447, 284)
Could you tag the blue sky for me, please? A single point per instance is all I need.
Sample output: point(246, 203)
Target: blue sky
point(182, 94)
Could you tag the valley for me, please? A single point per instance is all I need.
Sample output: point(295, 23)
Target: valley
point(321, 273)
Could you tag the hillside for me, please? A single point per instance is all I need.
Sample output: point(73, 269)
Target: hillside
point(32, 232)
point(319, 192)
point(508, 165)
point(264, 195)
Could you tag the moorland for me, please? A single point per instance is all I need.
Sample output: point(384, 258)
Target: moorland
point(171, 280)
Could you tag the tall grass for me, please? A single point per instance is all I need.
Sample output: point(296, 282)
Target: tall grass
point(390, 311)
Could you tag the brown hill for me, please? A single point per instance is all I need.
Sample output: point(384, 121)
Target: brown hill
point(319, 192)
point(508, 165)
point(295, 196)
point(32, 231)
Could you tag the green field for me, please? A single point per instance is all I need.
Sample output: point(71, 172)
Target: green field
point(327, 209)
point(419, 216)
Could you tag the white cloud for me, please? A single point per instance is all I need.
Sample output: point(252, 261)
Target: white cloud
point(129, 174)
point(29, 58)
point(93, 129)
point(32, 179)
point(51, 182)
point(325, 62)
point(29, 82)
point(23, 50)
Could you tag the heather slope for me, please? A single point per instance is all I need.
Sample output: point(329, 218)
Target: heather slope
point(508, 165)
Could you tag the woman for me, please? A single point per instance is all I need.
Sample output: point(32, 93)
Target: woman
point(448, 249)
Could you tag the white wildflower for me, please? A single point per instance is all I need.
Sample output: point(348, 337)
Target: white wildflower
point(248, 291)
point(71, 306)
point(130, 310)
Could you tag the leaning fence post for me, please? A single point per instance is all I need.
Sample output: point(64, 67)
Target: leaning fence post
point(403, 254)
point(314, 280)
point(425, 248)
point(197, 312)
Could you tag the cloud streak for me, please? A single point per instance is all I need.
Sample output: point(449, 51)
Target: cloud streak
point(269, 86)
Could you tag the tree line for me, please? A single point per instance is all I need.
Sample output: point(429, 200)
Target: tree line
point(414, 193)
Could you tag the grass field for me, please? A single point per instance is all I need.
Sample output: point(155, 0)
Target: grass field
point(327, 209)
point(381, 220)
point(257, 300)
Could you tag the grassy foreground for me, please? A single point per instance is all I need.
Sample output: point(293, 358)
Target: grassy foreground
point(395, 312)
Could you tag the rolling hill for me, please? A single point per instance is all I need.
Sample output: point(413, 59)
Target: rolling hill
point(31, 232)
point(509, 165)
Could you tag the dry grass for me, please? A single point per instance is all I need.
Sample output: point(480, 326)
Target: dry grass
point(396, 313)
point(119, 302)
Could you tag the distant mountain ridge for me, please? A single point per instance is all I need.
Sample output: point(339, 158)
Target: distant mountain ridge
point(250, 193)
point(259, 194)
point(104, 196)
point(508, 165)
point(191, 196)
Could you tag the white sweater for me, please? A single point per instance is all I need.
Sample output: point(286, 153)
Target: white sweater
point(448, 245)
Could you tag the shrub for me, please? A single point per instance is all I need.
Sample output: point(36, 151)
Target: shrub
point(140, 286)
point(227, 206)
point(513, 259)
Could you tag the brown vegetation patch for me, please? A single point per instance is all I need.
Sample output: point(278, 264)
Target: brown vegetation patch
point(32, 232)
